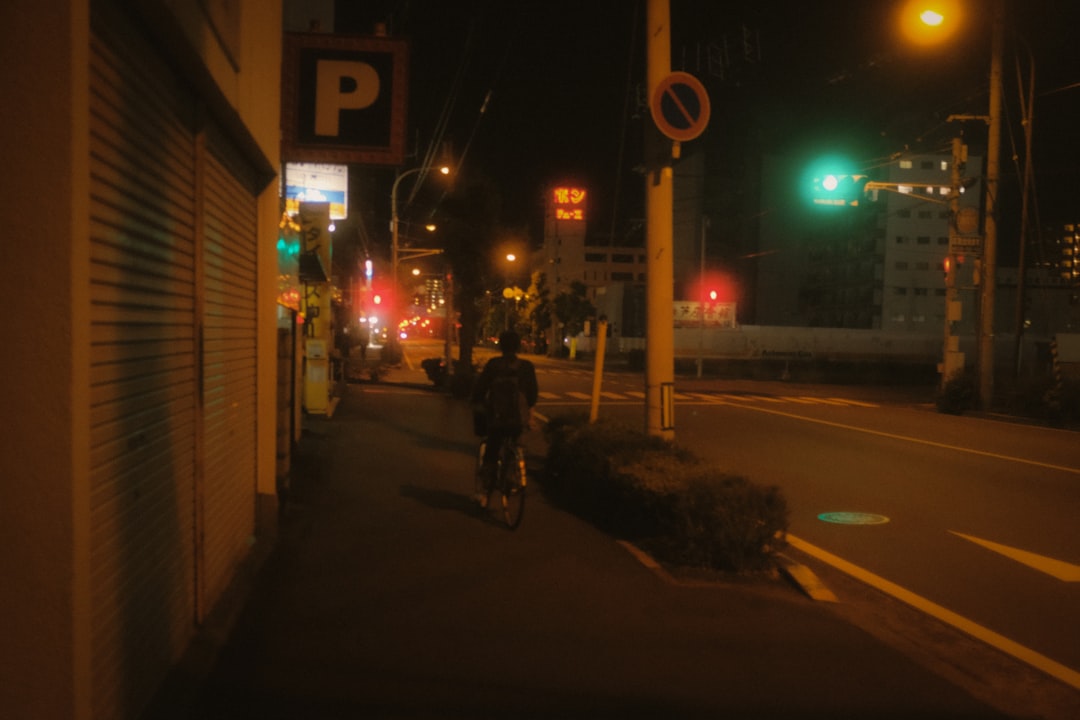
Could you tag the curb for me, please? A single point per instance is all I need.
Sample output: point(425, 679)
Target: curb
point(805, 579)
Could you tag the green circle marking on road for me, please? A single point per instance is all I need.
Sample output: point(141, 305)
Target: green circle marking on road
point(853, 518)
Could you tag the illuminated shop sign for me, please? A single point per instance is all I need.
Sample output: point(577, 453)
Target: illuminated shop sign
point(312, 182)
point(569, 203)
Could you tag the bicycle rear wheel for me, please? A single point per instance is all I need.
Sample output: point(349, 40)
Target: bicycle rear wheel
point(481, 490)
point(512, 483)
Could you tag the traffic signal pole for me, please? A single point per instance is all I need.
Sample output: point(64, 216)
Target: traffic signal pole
point(660, 268)
point(952, 360)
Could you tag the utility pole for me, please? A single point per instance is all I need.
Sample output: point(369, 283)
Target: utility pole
point(989, 260)
point(952, 360)
point(660, 268)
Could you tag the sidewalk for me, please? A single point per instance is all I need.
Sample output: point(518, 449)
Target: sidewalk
point(390, 595)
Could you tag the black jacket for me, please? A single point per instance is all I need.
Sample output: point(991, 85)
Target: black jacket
point(496, 366)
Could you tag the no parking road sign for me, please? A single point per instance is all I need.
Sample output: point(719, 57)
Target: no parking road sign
point(680, 106)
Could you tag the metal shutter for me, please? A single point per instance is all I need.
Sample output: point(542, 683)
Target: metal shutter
point(229, 315)
point(142, 270)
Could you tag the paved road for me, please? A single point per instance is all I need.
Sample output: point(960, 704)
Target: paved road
point(390, 596)
point(943, 494)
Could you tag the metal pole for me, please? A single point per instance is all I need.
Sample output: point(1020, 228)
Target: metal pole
point(659, 290)
point(598, 368)
point(449, 327)
point(993, 152)
point(1021, 276)
point(394, 230)
point(701, 334)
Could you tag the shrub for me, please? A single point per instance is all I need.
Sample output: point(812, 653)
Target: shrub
point(645, 489)
point(725, 522)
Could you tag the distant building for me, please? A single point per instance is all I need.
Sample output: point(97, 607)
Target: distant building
point(608, 272)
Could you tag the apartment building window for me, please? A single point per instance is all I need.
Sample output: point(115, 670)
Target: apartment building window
point(939, 292)
point(622, 276)
point(922, 240)
point(905, 213)
point(622, 258)
point(926, 214)
point(901, 265)
point(900, 239)
point(922, 266)
point(942, 240)
point(899, 291)
point(905, 164)
point(920, 292)
point(595, 257)
point(927, 165)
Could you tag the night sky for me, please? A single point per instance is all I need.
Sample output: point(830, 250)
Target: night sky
point(562, 82)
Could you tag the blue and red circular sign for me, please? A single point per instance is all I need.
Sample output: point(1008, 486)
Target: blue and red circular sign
point(680, 106)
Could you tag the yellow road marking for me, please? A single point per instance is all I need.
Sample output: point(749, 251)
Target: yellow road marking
point(1056, 568)
point(986, 635)
point(917, 441)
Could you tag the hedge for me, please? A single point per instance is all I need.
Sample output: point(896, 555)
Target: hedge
point(650, 491)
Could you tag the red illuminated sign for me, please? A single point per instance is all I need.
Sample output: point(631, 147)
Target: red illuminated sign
point(569, 203)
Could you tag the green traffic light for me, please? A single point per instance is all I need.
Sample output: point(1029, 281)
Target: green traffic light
point(833, 181)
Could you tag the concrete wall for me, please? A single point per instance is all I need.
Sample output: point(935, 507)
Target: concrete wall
point(44, 660)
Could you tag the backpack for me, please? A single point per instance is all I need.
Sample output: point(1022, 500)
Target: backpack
point(507, 408)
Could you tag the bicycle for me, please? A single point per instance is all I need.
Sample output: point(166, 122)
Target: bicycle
point(510, 480)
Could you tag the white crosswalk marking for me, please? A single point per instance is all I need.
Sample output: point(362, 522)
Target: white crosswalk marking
point(706, 397)
point(857, 403)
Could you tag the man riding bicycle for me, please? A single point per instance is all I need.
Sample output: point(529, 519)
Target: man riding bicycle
point(503, 398)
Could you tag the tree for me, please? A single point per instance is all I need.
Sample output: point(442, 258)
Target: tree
point(468, 227)
point(538, 310)
point(572, 309)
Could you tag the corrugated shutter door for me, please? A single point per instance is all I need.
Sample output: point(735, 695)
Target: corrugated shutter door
point(143, 365)
point(229, 267)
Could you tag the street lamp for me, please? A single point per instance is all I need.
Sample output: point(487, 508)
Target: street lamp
point(508, 291)
point(394, 218)
point(988, 278)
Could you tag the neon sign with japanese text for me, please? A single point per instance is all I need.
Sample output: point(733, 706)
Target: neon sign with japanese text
point(569, 203)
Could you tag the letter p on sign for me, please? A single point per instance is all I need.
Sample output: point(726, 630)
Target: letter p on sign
point(342, 85)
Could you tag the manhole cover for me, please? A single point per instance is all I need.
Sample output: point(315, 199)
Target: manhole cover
point(853, 518)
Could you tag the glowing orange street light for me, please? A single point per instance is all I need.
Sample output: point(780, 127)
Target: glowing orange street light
point(930, 22)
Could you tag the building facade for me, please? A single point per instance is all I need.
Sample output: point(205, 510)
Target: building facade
point(140, 386)
point(916, 242)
